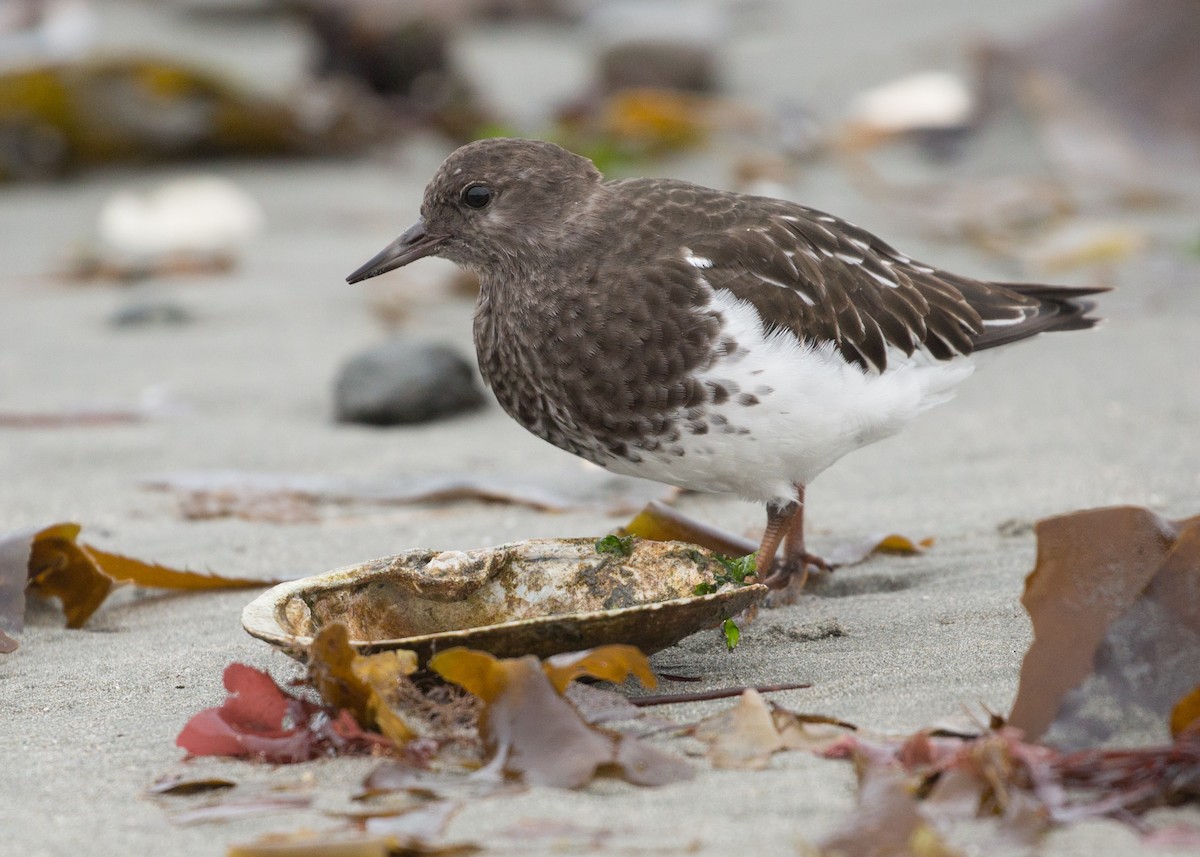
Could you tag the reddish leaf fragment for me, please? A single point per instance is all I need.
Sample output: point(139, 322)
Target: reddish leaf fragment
point(1113, 590)
point(261, 720)
point(7, 644)
point(1025, 787)
point(533, 733)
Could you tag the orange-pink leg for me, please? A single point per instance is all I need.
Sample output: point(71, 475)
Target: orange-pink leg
point(786, 524)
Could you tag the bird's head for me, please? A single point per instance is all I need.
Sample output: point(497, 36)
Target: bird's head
point(498, 203)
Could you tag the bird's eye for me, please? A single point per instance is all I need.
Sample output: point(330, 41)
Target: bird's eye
point(477, 196)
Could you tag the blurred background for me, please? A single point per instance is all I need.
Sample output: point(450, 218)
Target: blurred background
point(184, 186)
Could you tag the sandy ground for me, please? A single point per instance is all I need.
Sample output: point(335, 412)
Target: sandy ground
point(88, 718)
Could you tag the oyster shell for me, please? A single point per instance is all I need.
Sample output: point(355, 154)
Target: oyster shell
point(537, 597)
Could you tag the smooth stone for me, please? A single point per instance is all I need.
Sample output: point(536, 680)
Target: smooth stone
point(147, 312)
point(404, 381)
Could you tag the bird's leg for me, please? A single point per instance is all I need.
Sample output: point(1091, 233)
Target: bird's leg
point(796, 560)
point(779, 521)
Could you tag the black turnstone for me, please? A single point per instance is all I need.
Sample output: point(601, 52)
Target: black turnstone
point(711, 340)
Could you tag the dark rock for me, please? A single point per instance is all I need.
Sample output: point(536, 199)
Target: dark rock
point(402, 381)
point(146, 312)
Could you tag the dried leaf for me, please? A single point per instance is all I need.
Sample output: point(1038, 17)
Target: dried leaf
point(814, 732)
point(360, 683)
point(887, 822)
point(531, 732)
point(180, 784)
point(747, 735)
point(420, 829)
point(854, 552)
point(7, 644)
point(392, 777)
point(613, 663)
point(335, 843)
point(743, 737)
point(1186, 714)
point(52, 562)
point(659, 522)
point(241, 806)
point(1025, 787)
point(662, 523)
point(294, 498)
point(59, 567)
point(1113, 590)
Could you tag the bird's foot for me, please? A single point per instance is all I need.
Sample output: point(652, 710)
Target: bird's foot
point(791, 572)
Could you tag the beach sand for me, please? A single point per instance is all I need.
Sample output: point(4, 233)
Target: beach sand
point(88, 718)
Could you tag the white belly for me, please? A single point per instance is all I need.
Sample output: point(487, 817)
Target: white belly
point(812, 408)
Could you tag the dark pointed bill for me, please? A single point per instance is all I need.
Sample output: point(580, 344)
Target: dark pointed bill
point(414, 244)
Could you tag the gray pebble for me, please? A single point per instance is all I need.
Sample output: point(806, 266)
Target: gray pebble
point(402, 381)
point(143, 312)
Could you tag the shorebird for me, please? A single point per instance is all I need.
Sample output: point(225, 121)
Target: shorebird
point(706, 339)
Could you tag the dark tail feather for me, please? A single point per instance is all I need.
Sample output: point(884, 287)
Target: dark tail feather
point(1060, 309)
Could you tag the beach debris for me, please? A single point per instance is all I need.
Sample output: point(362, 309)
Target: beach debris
point(59, 118)
point(531, 732)
point(522, 727)
point(192, 214)
point(651, 699)
point(240, 804)
point(886, 822)
point(540, 597)
point(194, 224)
point(52, 563)
point(360, 684)
point(295, 498)
point(150, 311)
point(400, 55)
point(182, 784)
point(260, 720)
point(923, 102)
point(854, 552)
point(412, 831)
point(1113, 590)
point(659, 522)
point(746, 736)
point(401, 382)
point(661, 44)
point(420, 829)
point(1023, 788)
